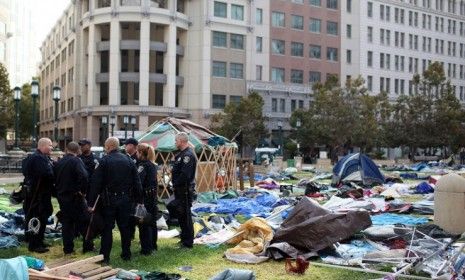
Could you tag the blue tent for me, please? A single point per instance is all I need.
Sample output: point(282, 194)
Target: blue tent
point(357, 167)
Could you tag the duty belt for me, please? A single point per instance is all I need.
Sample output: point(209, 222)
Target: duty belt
point(117, 193)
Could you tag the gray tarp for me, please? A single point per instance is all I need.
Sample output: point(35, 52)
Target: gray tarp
point(310, 228)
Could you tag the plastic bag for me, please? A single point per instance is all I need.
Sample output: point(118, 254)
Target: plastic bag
point(141, 212)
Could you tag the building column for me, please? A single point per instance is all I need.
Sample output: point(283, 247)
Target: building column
point(169, 89)
point(143, 122)
point(92, 129)
point(115, 63)
point(144, 70)
point(93, 93)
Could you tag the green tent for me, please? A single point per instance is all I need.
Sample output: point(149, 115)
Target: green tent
point(161, 135)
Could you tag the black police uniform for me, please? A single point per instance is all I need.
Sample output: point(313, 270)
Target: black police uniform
point(38, 173)
point(71, 182)
point(133, 221)
point(184, 187)
point(148, 233)
point(90, 162)
point(117, 181)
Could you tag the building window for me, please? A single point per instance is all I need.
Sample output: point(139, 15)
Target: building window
point(370, 83)
point(220, 9)
point(293, 105)
point(277, 19)
point(331, 4)
point(349, 31)
point(259, 16)
point(297, 22)
point(220, 39)
point(331, 54)
point(315, 3)
point(370, 34)
point(274, 105)
point(277, 47)
point(237, 12)
point(237, 41)
point(258, 72)
point(277, 75)
point(297, 76)
point(315, 25)
point(315, 51)
point(331, 27)
point(218, 101)
point(370, 9)
point(349, 6)
point(349, 56)
point(235, 99)
point(314, 77)
point(259, 44)
point(219, 69)
point(282, 105)
point(236, 70)
point(370, 59)
point(297, 49)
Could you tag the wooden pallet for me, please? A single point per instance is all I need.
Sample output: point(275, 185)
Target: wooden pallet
point(89, 269)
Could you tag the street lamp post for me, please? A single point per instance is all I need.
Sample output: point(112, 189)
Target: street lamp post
point(34, 94)
point(17, 98)
point(133, 124)
point(56, 98)
point(112, 123)
point(298, 124)
point(104, 124)
point(280, 126)
point(126, 122)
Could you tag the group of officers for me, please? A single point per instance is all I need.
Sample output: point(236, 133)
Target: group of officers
point(111, 187)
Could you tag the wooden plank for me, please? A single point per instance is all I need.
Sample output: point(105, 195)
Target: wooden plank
point(60, 262)
point(69, 266)
point(104, 275)
point(84, 268)
point(96, 271)
point(39, 275)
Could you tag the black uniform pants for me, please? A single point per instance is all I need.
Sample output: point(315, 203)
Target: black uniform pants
point(148, 233)
point(74, 219)
point(183, 204)
point(36, 240)
point(118, 209)
point(40, 208)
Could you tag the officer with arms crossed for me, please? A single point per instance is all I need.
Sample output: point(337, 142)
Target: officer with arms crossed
point(183, 172)
point(115, 179)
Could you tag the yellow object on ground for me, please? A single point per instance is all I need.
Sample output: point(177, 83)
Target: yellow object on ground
point(254, 235)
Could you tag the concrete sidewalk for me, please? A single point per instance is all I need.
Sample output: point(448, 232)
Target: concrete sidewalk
point(13, 179)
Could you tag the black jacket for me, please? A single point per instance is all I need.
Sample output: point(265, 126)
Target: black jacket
point(147, 174)
point(184, 167)
point(90, 162)
point(116, 173)
point(71, 177)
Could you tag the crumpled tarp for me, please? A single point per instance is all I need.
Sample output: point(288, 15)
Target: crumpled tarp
point(235, 274)
point(14, 269)
point(310, 227)
point(252, 238)
point(424, 188)
point(212, 197)
point(391, 219)
point(8, 242)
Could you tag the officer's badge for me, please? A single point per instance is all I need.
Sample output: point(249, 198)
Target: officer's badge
point(96, 163)
point(140, 169)
point(186, 159)
point(179, 159)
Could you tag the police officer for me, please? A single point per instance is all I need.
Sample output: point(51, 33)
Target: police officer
point(183, 173)
point(86, 155)
point(37, 205)
point(148, 233)
point(131, 149)
point(115, 179)
point(71, 182)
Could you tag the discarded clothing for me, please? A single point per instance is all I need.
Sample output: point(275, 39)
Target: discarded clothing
point(235, 274)
point(310, 227)
point(391, 219)
point(161, 276)
point(354, 249)
point(424, 207)
point(268, 184)
point(424, 188)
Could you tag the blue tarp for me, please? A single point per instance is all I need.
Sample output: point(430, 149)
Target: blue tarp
point(392, 219)
point(14, 269)
point(352, 163)
point(424, 188)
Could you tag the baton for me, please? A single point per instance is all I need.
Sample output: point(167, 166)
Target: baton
point(91, 218)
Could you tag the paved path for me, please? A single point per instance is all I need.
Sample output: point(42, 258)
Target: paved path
point(14, 179)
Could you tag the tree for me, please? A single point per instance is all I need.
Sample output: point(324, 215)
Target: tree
point(25, 113)
point(245, 117)
point(6, 98)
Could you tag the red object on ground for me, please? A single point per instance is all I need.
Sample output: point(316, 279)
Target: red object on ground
point(301, 265)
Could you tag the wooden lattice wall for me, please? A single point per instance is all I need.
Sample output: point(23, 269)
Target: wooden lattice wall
point(216, 170)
